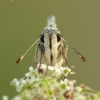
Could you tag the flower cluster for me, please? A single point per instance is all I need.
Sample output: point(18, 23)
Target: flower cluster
point(50, 85)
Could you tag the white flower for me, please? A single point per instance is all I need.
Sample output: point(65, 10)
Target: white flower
point(57, 72)
point(31, 69)
point(80, 97)
point(30, 80)
point(50, 68)
point(17, 83)
point(37, 83)
point(28, 74)
point(53, 86)
point(78, 89)
point(5, 97)
point(14, 81)
point(66, 71)
point(18, 87)
point(65, 81)
point(64, 84)
point(72, 66)
point(62, 68)
point(17, 98)
point(23, 82)
point(37, 79)
point(71, 83)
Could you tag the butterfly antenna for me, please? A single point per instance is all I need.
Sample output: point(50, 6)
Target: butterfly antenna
point(22, 56)
point(80, 55)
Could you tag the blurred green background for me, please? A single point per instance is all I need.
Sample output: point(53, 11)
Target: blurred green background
point(22, 21)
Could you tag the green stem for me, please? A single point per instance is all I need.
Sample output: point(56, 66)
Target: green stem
point(47, 89)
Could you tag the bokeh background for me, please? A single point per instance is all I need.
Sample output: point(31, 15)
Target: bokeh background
point(22, 21)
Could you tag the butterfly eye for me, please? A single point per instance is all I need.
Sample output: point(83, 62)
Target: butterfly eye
point(58, 38)
point(42, 39)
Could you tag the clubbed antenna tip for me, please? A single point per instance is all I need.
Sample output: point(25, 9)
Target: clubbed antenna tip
point(83, 58)
point(19, 59)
